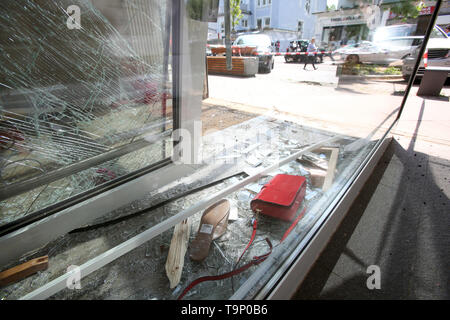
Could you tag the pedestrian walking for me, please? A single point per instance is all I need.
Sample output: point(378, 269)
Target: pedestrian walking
point(311, 54)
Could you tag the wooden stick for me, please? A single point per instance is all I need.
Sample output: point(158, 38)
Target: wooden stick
point(177, 251)
point(331, 168)
point(317, 177)
point(23, 270)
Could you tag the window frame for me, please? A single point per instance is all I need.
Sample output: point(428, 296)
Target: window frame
point(259, 26)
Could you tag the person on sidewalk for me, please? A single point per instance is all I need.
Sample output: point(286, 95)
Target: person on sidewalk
point(311, 53)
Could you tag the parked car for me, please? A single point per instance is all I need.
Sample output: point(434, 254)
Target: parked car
point(370, 52)
point(438, 48)
point(264, 49)
point(301, 45)
point(340, 53)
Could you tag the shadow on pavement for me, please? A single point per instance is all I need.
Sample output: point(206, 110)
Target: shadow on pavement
point(399, 222)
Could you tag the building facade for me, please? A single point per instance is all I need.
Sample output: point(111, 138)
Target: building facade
point(351, 22)
point(282, 20)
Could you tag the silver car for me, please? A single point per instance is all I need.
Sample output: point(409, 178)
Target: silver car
point(438, 47)
point(373, 52)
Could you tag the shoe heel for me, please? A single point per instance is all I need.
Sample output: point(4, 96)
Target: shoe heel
point(221, 227)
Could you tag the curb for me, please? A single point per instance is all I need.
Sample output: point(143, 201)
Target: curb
point(370, 77)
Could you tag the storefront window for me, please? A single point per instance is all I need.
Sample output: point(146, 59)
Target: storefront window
point(133, 83)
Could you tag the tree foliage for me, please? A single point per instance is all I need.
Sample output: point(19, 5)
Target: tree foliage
point(236, 12)
point(404, 8)
point(407, 9)
point(195, 9)
point(331, 8)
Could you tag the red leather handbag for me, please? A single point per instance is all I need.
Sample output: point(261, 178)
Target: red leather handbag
point(281, 197)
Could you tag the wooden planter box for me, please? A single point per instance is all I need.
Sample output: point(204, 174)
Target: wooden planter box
point(242, 66)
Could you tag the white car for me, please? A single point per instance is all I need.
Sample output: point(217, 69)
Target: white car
point(438, 48)
point(373, 52)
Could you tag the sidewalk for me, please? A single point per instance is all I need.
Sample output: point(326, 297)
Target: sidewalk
point(400, 221)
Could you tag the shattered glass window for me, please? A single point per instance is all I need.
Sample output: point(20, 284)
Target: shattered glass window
point(85, 97)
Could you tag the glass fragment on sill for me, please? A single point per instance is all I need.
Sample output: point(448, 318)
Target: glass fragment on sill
point(254, 187)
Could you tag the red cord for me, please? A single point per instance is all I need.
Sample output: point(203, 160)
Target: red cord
point(256, 260)
point(255, 225)
point(293, 224)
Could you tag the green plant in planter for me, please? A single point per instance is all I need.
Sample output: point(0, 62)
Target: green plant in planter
point(371, 69)
point(393, 71)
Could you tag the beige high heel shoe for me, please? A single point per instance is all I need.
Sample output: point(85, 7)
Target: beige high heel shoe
point(213, 224)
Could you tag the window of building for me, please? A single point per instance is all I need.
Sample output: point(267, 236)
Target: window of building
point(259, 23)
point(244, 23)
point(267, 22)
point(300, 29)
point(308, 6)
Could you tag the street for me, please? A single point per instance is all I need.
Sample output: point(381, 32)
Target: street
point(317, 98)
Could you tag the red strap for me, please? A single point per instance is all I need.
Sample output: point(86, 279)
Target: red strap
point(256, 260)
point(293, 224)
point(255, 224)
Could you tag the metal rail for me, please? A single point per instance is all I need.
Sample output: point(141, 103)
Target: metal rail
point(420, 55)
point(15, 189)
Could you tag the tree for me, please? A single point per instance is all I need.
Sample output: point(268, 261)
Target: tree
point(236, 13)
point(331, 8)
point(195, 9)
point(403, 8)
point(407, 9)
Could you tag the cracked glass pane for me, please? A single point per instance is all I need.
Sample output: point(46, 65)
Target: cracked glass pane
point(85, 97)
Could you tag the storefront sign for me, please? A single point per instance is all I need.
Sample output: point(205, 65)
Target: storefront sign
point(424, 11)
point(348, 18)
point(427, 10)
